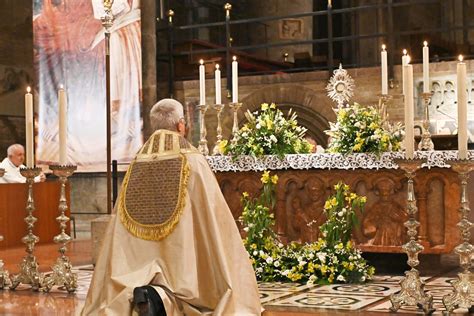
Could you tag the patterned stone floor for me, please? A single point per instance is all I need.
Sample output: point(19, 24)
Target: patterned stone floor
point(278, 299)
point(284, 298)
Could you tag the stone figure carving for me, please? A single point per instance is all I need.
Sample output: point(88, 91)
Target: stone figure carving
point(383, 222)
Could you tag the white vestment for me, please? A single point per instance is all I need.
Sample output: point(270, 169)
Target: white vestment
point(199, 266)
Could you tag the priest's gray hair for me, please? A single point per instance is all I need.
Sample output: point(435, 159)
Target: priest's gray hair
point(11, 150)
point(166, 114)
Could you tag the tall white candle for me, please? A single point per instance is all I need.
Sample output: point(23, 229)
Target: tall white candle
point(462, 108)
point(217, 74)
point(202, 83)
point(235, 80)
point(62, 100)
point(409, 112)
point(404, 63)
point(383, 58)
point(30, 158)
point(426, 68)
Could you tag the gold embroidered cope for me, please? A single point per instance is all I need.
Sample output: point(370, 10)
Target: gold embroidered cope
point(153, 192)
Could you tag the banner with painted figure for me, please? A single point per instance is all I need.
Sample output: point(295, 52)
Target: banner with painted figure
point(70, 50)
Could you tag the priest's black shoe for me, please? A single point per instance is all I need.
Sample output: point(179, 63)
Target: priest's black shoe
point(147, 302)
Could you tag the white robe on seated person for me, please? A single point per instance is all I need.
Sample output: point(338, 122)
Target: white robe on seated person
point(199, 268)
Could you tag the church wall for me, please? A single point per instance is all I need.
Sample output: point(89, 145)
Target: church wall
point(16, 68)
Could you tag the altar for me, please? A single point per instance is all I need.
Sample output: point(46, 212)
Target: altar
point(305, 181)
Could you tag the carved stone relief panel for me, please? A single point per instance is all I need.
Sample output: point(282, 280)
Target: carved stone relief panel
point(301, 194)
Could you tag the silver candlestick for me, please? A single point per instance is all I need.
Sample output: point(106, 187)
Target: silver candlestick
point(29, 273)
point(461, 297)
point(62, 274)
point(218, 108)
point(426, 143)
point(384, 99)
point(412, 291)
point(4, 275)
point(203, 149)
point(235, 127)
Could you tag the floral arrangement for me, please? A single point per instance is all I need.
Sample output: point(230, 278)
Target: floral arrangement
point(331, 259)
point(268, 133)
point(361, 130)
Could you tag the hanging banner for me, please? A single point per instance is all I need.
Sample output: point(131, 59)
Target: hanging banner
point(70, 51)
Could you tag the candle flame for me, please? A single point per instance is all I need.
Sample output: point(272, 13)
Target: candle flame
point(28, 89)
point(234, 58)
point(217, 66)
point(383, 46)
point(404, 52)
point(201, 61)
point(461, 58)
point(61, 86)
point(425, 43)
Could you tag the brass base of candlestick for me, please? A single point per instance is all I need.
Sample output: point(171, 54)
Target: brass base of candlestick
point(62, 274)
point(412, 291)
point(426, 143)
point(235, 127)
point(4, 275)
point(203, 149)
point(29, 273)
point(461, 297)
point(216, 150)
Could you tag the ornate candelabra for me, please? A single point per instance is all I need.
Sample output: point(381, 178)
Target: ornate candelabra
point(203, 149)
point(462, 287)
point(4, 275)
point(412, 287)
point(218, 108)
point(29, 273)
point(384, 99)
point(235, 127)
point(62, 274)
point(426, 143)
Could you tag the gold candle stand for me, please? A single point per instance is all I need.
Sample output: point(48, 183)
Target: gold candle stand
point(218, 108)
point(4, 275)
point(426, 143)
point(461, 297)
point(235, 127)
point(412, 291)
point(29, 273)
point(203, 149)
point(62, 274)
point(384, 99)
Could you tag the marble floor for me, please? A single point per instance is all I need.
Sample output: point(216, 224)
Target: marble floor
point(278, 299)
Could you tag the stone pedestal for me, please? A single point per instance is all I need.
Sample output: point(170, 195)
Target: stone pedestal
point(98, 228)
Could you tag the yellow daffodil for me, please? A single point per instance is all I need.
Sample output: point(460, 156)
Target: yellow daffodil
point(273, 106)
point(265, 177)
point(222, 146)
point(275, 179)
point(264, 106)
point(245, 194)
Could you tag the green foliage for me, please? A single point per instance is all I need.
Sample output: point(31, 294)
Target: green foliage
point(268, 133)
point(329, 260)
point(362, 130)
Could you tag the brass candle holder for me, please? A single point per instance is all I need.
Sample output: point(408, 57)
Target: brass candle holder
point(216, 149)
point(29, 273)
point(235, 127)
point(384, 99)
point(461, 297)
point(412, 291)
point(4, 275)
point(203, 149)
point(426, 143)
point(62, 274)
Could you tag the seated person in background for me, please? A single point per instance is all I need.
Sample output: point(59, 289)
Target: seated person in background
point(172, 247)
point(12, 165)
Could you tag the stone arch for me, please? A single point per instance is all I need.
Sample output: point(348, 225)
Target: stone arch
point(314, 109)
